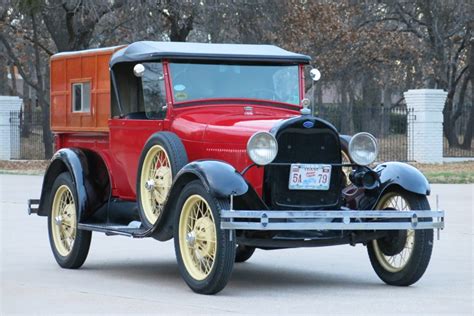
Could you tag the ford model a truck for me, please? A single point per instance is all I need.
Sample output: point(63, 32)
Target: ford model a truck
point(214, 145)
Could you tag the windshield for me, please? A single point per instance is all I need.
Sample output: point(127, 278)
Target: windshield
point(208, 81)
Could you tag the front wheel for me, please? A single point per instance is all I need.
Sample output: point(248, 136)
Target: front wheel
point(401, 258)
point(205, 253)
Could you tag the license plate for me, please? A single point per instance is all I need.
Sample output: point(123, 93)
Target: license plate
point(309, 177)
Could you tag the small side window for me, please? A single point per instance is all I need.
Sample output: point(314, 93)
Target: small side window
point(153, 85)
point(81, 97)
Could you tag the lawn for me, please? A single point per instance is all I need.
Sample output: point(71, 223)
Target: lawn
point(455, 172)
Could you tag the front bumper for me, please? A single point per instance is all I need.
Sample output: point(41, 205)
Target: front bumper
point(331, 220)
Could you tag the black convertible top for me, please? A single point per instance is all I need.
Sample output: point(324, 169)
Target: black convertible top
point(147, 50)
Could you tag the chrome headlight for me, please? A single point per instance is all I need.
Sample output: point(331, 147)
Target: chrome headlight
point(363, 148)
point(262, 148)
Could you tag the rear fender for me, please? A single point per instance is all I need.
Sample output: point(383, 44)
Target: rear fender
point(90, 177)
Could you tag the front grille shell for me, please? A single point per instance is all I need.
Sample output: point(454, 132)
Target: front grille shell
point(318, 144)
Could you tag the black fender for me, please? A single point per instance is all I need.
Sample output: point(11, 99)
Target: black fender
point(219, 178)
point(402, 175)
point(89, 175)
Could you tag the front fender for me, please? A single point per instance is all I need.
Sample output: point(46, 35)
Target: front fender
point(219, 178)
point(407, 177)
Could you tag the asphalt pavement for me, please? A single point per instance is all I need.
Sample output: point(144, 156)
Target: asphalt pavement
point(140, 276)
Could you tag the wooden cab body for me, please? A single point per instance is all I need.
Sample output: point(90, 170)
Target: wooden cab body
point(80, 90)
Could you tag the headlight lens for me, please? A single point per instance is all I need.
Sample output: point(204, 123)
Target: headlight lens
point(363, 149)
point(262, 148)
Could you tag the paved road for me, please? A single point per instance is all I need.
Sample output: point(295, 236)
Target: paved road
point(123, 275)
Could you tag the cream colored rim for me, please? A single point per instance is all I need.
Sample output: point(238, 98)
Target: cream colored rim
point(197, 237)
point(347, 170)
point(63, 220)
point(155, 182)
point(397, 262)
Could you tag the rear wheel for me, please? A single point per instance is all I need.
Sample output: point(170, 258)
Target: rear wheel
point(205, 253)
point(70, 246)
point(401, 258)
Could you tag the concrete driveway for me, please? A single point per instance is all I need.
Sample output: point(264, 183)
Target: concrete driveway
point(123, 275)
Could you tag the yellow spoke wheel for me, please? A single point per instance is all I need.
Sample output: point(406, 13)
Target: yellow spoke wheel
point(397, 261)
point(155, 182)
point(401, 257)
point(63, 217)
point(197, 237)
point(162, 157)
point(205, 253)
point(70, 245)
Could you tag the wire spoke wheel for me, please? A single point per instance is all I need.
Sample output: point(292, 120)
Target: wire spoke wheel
point(197, 233)
point(205, 253)
point(395, 262)
point(156, 180)
point(63, 220)
point(401, 257)
point(69, 244)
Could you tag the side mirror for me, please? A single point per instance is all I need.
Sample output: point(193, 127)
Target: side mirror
point(139, 70)
point(315, 74)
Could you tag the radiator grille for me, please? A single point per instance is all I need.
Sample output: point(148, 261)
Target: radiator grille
point(297, 144)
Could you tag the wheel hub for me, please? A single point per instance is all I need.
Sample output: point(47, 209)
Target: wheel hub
point(395, 240)
point(58, 220)
point(150, 185)
point(393, 243)
point(204, 231)
point(191, 238)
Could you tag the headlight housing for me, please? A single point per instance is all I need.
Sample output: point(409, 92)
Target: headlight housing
point(262, 148)
point(363, 148)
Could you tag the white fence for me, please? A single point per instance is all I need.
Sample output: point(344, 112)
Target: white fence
point(9, 128)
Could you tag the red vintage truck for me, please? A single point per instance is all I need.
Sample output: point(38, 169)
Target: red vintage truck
point(215, 146)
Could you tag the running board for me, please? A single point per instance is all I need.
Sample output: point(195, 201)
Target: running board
point(134, 229)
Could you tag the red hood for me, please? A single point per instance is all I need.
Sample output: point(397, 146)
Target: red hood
point(228, 124)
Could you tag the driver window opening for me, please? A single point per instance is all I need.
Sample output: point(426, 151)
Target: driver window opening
point(143, 97)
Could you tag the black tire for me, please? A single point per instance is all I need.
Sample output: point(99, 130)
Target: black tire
point(243, 253)
point(177, 159)
point(422, 246)
point(80, 247)
point(221, 269)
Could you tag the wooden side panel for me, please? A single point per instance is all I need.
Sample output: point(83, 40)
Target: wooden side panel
point(82, 67)
point(58, 93)
point(103, 90)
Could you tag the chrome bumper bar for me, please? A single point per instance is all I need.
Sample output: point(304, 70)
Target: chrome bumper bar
point(331, 220)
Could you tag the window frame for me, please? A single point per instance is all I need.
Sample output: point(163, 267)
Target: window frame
point(73, 99)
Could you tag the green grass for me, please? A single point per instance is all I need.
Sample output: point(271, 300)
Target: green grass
point(451, 177)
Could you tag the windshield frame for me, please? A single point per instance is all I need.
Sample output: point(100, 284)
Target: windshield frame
point(236, 99)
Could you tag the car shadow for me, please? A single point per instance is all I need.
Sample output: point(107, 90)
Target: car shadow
point(249, 276)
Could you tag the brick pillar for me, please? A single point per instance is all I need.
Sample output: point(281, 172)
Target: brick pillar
point(425, 124)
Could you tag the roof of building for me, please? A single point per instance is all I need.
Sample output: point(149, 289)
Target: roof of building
point(147, 50)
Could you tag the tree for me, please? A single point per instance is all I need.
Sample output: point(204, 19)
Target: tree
point(442, 28)
point(45, 27)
